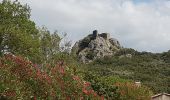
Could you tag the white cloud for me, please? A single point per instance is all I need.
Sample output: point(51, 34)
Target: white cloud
point(144, 26)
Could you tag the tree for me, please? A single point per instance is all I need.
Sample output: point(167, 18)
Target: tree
point(18, 34)
point(65, 44)
point(49, 43)
point(166, 56)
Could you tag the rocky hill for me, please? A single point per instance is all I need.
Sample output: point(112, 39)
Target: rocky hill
point(95, 46)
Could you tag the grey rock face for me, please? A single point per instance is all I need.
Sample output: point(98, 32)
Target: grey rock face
point(95, 46)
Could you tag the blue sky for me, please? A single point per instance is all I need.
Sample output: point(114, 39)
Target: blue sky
point(140, 24)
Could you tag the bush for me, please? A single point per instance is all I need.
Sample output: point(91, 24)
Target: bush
point(21, 79)
point(130, 91)
point(104, 85)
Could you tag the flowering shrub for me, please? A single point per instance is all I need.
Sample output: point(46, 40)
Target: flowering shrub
point(130, 91)
point(21, 79)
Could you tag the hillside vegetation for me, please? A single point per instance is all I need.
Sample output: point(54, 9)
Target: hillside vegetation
point(152, 70)
point(34, 66)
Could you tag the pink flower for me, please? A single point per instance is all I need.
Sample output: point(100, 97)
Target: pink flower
point(86, 84)
point(48, 78)
point(35, 65)
point(81, 98)
point(102, 97)
point(35, 98)
point(61, 70)
point(95, 94)
point(76, 78)
point(85, 91)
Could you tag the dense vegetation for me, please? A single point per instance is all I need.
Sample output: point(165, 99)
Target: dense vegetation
point(152, 70)
point(33, 65)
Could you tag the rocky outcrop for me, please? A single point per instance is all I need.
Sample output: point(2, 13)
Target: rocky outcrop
point(95, 46)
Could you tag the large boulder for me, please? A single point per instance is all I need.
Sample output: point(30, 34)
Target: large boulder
point(95, 46)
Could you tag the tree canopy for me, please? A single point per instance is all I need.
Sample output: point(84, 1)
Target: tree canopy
point(18, 34)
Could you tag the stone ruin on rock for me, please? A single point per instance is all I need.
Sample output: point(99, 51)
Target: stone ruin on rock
point(95, 46)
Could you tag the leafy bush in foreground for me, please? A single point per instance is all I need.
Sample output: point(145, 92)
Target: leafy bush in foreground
point(21, 79)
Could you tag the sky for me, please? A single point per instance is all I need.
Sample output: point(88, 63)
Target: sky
point(143, 25)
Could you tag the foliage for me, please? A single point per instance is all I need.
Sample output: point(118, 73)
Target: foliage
point(149, 68)
point(103, 85)
point(105, 60)
point(115, 88)
point(125, 51)
point(49, 44)
point(166, 56)
point(65, 44)
point(130, 91)
point(18, 34)
point(25, 80)
point(21, 79)
point(43, 73)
